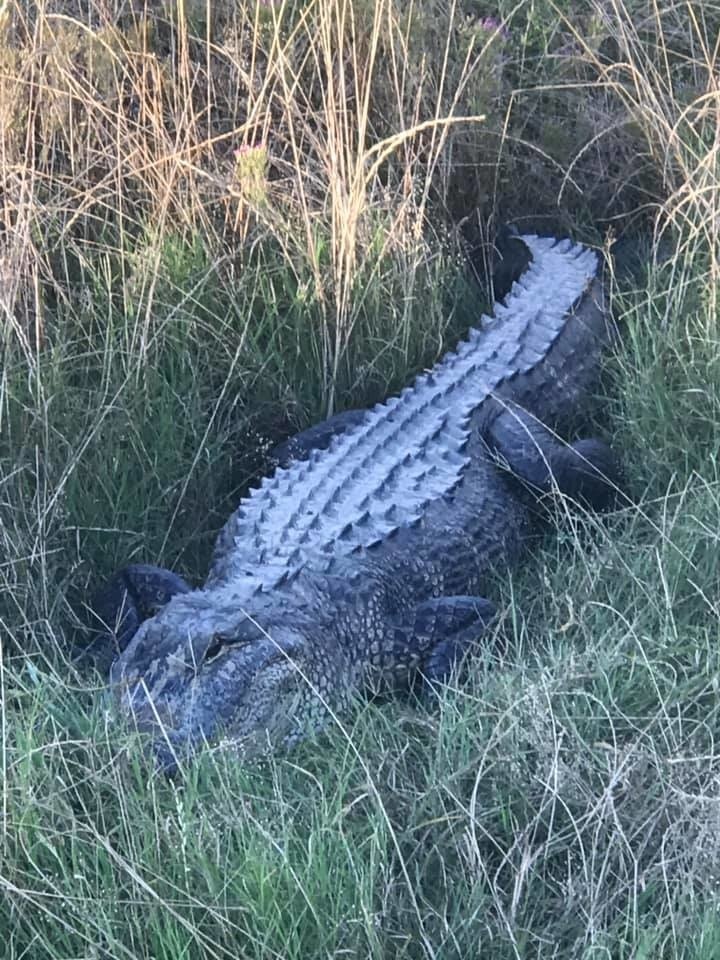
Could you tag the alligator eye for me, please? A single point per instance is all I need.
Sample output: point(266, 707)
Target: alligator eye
point(215, 648)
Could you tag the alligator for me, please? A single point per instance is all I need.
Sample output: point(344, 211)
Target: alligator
point(362, 564)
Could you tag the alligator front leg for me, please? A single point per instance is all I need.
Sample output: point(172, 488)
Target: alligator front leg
point(585, 471)
point(450, 626)
point(441, 632)
point(135, 593)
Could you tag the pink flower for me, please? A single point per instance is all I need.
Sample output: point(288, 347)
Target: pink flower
point(247, 148)
point(494, 25)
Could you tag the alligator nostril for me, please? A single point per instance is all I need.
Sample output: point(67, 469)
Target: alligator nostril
point(214, 649)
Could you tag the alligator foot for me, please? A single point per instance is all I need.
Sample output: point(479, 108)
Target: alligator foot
point(456, 624)
point(446, 628)
point(133, 594)
point(586, 471)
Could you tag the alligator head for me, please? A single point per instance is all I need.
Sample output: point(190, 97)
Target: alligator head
point(250, 668)
point(230, 665)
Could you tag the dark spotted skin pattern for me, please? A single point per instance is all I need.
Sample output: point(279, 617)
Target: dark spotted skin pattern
point(264, 654)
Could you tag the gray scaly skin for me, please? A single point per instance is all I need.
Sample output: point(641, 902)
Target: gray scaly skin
point(364, 565)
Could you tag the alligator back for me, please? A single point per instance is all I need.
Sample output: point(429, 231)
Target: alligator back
point(411, 450)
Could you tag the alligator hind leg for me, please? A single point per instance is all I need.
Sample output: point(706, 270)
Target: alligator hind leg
point(586, 470)
point(135, 593)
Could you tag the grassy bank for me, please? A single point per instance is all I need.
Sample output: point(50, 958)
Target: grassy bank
point(219, 225)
